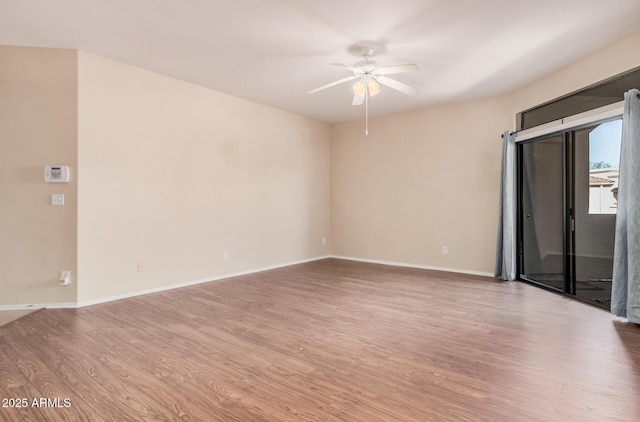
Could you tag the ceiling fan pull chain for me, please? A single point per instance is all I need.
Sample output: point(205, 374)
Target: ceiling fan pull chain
point(366, 112)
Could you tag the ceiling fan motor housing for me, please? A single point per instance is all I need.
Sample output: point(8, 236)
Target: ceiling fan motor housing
point(365, 67)
point(370, 74)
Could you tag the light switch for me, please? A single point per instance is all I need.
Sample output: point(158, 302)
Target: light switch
point(57, 199)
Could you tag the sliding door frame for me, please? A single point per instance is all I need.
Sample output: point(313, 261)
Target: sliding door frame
point(567, 131)
point(519, 211)
point(569, 210)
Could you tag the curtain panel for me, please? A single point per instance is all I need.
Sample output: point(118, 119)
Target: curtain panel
point(625, 294)
point(506, 242)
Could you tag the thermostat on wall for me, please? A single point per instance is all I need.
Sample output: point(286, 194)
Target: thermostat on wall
point(58, 174)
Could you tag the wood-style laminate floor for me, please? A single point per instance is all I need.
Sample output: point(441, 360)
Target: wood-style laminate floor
point(9, 316)
point(329, 340)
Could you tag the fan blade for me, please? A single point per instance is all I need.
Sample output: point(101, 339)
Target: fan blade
point(398, 86)
point(353, 69)
point(348, 78)
point(357, 100)
point(397, 69)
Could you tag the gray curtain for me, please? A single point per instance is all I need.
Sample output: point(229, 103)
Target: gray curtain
point(505, 249)
point(625, 295)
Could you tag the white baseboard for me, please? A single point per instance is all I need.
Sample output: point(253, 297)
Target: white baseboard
point(194, 282)
point(72, 305)
point(83, 304)
point(421, 267)
point(33, 306)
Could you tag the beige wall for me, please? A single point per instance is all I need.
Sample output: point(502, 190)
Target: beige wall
point(427, 179)
point(38, 126)
point(420, 181)
point(173, 174)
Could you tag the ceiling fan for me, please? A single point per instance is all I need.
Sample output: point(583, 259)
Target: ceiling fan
point(370, 76)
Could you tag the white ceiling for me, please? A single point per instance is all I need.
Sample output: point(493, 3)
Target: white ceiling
point(274, 51)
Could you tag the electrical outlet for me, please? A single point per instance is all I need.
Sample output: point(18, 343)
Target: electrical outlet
point(225, 255)
point(140, 267)
point(445, 250)
point(65, 278)
point(57, 199)
point(324, 240)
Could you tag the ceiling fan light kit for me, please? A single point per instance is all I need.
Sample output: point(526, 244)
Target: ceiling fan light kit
point(359, 89)
point(374, 87)
point(370, 76)
point(371, 86)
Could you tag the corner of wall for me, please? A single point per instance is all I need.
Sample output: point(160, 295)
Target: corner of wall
point(38, 106)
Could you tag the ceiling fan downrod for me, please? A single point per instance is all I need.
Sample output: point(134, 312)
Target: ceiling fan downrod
point(366, 112)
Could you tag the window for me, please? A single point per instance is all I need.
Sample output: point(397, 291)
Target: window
point(603, 93)
point(604, 171)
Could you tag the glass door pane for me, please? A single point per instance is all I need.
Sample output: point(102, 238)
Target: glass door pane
point(541, 212)
point(595, 187)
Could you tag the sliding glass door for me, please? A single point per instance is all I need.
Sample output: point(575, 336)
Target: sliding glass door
point(567, 203)
point(596, 152)
point(542, 214)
